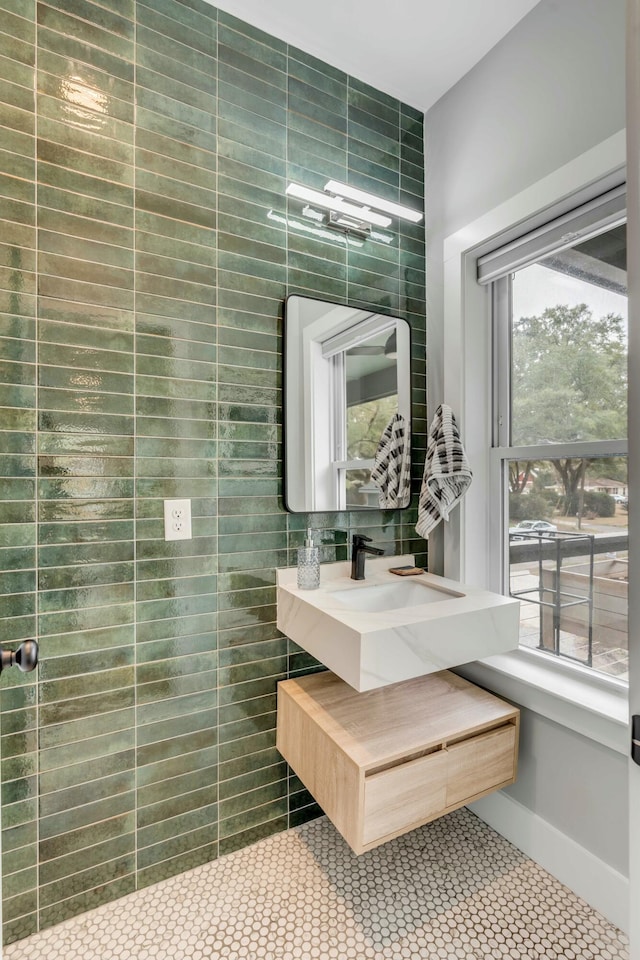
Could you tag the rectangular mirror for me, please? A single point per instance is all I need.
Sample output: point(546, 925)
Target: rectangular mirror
point(347, 408)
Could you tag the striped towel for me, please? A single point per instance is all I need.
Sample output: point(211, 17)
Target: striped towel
point(392, 468)
point(446, 472)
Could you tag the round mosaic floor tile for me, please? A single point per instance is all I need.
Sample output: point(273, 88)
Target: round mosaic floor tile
point(452, 890)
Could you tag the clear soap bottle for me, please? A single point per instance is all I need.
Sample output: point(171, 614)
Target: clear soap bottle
point(308, 565)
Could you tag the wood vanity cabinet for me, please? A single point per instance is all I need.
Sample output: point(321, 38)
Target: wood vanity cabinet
point(385, 761)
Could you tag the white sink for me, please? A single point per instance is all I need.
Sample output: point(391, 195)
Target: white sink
point(387, 628)
point(391, 596)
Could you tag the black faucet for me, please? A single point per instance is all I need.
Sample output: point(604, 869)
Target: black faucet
point(359, 550)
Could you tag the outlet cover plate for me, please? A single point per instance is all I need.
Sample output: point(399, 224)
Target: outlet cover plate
point(177, 519)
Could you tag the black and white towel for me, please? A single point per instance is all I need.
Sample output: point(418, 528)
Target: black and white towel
point(392, 468)
point(446, 472)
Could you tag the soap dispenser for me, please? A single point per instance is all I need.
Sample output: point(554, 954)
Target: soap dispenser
point(308, 565)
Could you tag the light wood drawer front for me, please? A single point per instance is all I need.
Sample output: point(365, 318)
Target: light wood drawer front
point(482, 762)
point(404, 795)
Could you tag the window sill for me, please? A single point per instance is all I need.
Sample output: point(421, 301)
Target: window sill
point(594, 706)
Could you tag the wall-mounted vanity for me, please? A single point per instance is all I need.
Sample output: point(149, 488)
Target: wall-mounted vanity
point(387, 761)
point(388, 739)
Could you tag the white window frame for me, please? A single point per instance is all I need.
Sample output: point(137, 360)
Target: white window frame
point(579, 698)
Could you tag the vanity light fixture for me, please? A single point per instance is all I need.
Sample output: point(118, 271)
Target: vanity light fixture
point(359, 215)
point(347, 217)
point(341, 190)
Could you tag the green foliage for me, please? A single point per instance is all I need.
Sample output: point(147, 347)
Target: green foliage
point(597, 503)
point(569, 383)
point(365, 425)
point(532, 506)
point(569, 376)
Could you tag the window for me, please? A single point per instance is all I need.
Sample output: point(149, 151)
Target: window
point(559, 462)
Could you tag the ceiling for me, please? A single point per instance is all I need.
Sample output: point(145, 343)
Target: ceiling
point(416, 54)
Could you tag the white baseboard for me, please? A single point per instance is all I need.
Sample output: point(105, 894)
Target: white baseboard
point(590, 878)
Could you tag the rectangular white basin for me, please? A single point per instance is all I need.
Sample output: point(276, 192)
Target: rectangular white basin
point(387, 628)
point(391, 596)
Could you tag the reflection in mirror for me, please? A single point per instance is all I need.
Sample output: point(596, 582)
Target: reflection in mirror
point(347, 381)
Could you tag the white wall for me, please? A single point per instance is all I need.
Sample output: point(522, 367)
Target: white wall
point(549, 91)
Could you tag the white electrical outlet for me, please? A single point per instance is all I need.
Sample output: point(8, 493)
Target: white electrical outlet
point(177, 519)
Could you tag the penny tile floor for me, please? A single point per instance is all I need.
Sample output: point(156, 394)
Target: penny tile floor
point(451, 889)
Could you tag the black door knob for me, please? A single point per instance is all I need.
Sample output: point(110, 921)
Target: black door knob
point(25, 657)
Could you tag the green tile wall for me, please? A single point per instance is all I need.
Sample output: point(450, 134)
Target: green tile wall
point(146, 249)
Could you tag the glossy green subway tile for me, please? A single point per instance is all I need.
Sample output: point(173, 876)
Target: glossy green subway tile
point(19, 839)
point(157, 140)
point(19, 790)
point(81, 247)
point(246, 763)
point(66, 797)
point(19, 814)
point(168, 734)
point(111, 641)
point(105, 893)
point(168, 183)
point(176, 687)
point(256, 818)
point(154, 59)
point(23, 742)
point(99, 210)
point(184, 823)
point(199, 760)
point(245, 838)
point(269, 78)
point(178, 864)
point(96, 876)
point(52, 691)
point(16, 395)
point(246, 727)
point(86, 836)
point(152, 247)
point(260, 776)
point(116, 169)
point(238, 180)
point(161, 352)
point(66, 866)
point(77, 181)
point(101, 28)
point(18, 606)
point(248, 39)
point(20, 860)
point(243, 636)
point(186, 27)
point(184, 93)
point(167, 792)
point(163, 117)
point(15, 557)
point(70, 756)
point(89, 814)
point(18, 119)
point(177, 747)
point(18, 906)
point(268, 793)
point(16, 466)
point(235, 692)
point(102, 15)
point(19, 929)
point(172, 807)
point(263, 237)
point(16, 628)
point(60, 144)
point(87, 706)
point(84, 663)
